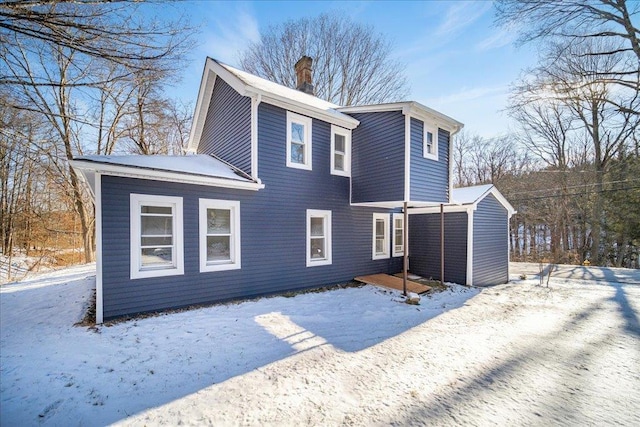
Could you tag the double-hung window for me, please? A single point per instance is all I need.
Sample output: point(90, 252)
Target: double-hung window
point(340, 151)
point(156, 236)
point(398, 234)
point(318, 237)
point(219, 235)
point(380, 236)
point(430, 142)
point(298, 141)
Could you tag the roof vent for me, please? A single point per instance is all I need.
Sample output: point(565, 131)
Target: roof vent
point(303, 75)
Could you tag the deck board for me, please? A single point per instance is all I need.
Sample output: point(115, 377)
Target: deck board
point(392, 282)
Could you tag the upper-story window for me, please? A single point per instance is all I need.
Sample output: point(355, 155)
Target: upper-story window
point(430, 142)
point(340, 151)
point(298, 141)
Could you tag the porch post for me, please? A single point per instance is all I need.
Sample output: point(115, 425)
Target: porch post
point(405, 246)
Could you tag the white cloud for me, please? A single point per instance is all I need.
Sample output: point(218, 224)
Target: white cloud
point(229, 32)
point(460, 15)
point(466, 94)
point(497, 40)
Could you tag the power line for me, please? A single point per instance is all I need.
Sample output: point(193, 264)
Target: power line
point(552, 196)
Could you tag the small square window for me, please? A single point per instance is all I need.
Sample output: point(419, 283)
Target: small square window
point(298, 141)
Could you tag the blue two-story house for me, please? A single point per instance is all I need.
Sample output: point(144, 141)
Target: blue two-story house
point(280, 191)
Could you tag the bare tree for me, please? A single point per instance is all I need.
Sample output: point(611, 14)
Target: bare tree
point(352, 63)
point(57, 57)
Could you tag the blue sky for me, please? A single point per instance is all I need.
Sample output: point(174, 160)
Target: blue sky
point(457, 61)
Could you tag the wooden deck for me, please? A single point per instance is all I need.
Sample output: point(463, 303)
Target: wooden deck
point(392, 282)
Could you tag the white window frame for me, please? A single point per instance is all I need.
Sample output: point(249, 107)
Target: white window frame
point(374, 253)
point(397, 216)
point(336, 130)
point(306, 122)
point(426, 129)
point(177, 267)
point(234, 241)
point(326, 217)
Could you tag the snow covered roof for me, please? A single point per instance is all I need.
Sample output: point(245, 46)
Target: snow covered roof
point(197, 169)
point(466, 195)
point(473, 195)
point(262, 90)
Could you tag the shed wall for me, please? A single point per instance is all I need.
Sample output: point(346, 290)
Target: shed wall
point(490, 243)
point(429, 178)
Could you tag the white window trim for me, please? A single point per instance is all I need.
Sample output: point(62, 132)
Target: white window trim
point(137, 200)
point(393, 234)
point(326, 216)
point(374, 254)
point(347, 150)
point(433, 130)
point(306, 122)
point(234, 242)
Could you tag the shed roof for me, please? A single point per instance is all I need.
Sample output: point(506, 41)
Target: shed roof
point(474, 195)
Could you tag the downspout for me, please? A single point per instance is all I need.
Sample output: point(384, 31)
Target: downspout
point(255, 102)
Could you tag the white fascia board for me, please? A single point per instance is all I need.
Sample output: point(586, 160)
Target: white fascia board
point(87, 177)
point(469, 248)
point(510, 210)
point(447, 209)
point(295, 107)
point(156, 175)
point(384, 205)
point(375, 108)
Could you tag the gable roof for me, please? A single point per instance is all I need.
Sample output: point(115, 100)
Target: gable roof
point(247, 84)
point(413, 108)
point(475, 194)
point(200, 169)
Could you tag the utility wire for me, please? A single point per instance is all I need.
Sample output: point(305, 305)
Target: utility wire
point(573, 194)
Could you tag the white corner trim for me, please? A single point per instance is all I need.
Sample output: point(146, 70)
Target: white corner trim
point(255, 103)
point(470, 248)
point(450, 166)
point(407, 156)
point(98, 207)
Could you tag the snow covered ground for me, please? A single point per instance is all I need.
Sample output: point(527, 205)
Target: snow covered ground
point(516, 354)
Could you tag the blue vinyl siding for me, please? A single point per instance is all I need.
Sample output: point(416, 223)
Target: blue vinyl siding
point(490, 243)
point(424, 246)
point(273, 231)
point(227, 128)
point(377, 153)
point(429, 178)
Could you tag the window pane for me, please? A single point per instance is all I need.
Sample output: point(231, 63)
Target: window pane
point(218, 221)
point(166, 210)
point(398, 237)
point(156, 257)
point(339, 142)
point(157, 241)
point(380, 246)
point(156, 225)
point(317, 226)
point(380, 228)
point(297, 132)
point(338, 161)
point(297, 153)
point(317, 248)
point(429, 142)
point(218, 248)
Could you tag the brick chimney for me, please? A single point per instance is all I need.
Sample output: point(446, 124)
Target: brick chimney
point(303, 75)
